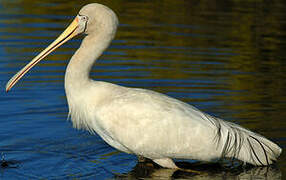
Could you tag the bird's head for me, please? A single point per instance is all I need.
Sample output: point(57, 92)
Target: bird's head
point(96, 18)
point(92, 19)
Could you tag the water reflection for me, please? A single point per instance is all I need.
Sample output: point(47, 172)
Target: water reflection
point(208, 171)
point(226, 58)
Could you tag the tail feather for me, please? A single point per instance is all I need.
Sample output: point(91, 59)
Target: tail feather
point(240, 143)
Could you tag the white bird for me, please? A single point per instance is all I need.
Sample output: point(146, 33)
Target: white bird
point(140, 121)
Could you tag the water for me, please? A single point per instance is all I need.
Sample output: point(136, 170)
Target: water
point(226, 58)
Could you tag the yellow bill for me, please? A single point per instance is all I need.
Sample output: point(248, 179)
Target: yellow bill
point(69, 33)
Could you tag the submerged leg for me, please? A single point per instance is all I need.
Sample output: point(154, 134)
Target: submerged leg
point(192, 171)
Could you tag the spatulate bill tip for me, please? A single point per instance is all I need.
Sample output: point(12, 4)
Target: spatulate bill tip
point(7, 89)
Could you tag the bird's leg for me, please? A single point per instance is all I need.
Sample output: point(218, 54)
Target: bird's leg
point(191, 171)
point(166, 163)
point(169, 163)
point(141, 159)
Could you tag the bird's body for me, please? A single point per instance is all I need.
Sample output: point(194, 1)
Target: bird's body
point(155, 126)
point(140, 121)
point(144, 122)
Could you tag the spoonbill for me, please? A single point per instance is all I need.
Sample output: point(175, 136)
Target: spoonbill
point(140, 121)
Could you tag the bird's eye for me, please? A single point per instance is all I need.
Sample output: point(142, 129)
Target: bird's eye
point(85, 18)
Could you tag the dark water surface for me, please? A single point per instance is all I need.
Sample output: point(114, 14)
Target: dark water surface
point(226, 58)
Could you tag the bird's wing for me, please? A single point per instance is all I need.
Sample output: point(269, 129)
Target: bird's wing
point(150, 122)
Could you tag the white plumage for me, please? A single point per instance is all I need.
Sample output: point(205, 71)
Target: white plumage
point(139, 121)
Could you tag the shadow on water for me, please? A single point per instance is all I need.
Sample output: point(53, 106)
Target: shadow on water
point(208, 171)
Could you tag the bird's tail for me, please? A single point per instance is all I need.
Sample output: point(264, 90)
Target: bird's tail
point(240, 143)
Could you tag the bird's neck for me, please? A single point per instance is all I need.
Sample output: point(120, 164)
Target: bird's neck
point(79, 67)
